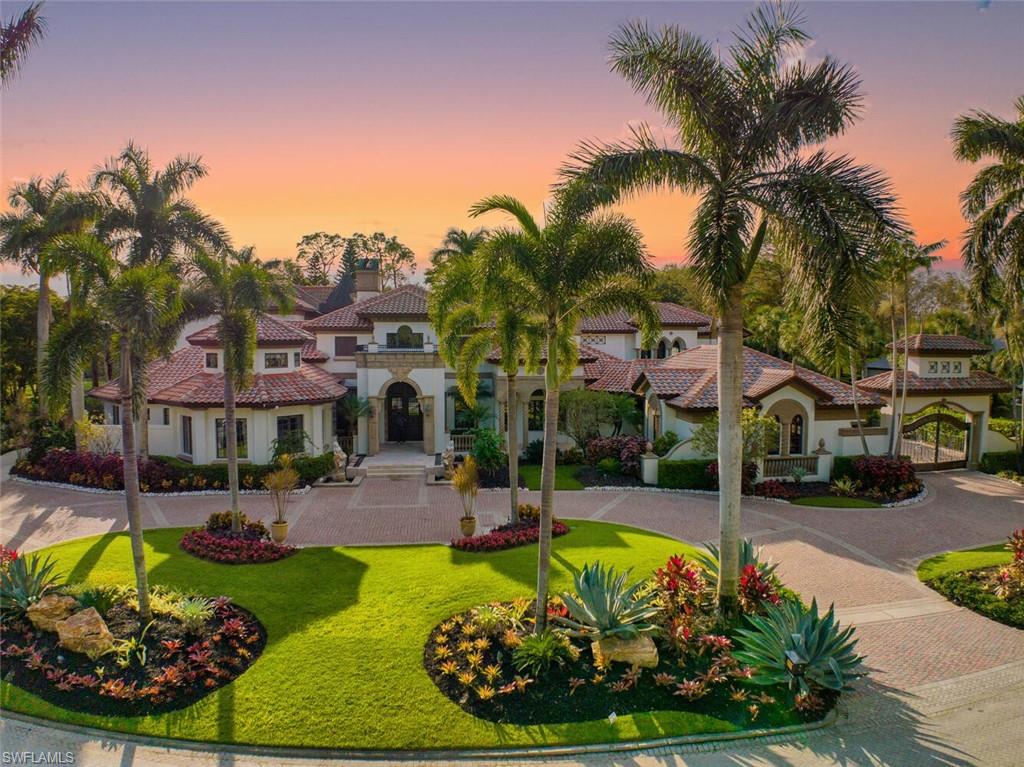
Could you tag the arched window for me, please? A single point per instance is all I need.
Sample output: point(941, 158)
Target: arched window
point(662, 349)
point(777, 447)
point(404, 338)
point(535, 412)
point(679, 345)
point(796, 435)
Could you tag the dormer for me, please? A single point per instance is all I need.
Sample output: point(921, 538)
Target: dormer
point(279, 346)
point(939, 356)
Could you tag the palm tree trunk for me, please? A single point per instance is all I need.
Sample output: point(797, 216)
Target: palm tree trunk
point(895, 365)
point(144, 430)
point(856, 406)
point(131, 484)
point(513, 446)
point(547, 475)
point(77, 386)
point(730, 450)
point(231, 441)
point(906, 357)
point(43, 316)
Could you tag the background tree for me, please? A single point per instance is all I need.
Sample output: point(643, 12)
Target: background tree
point(993, 204)
point(319, 254)
point(393, 256)
point(582, 263)
point(760, 435)
point(238, 290)
point(747, 122)
point(288, 268)
point(456, 243)
point(352, 408)
point(17, 36)
point(678, 285)
point(18, 306)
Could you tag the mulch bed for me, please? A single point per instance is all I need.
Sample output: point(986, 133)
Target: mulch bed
point(217, 543)
point(818, 489)
point(508, 536)
point(590, 476)
point(180, 669)
point(496, 478)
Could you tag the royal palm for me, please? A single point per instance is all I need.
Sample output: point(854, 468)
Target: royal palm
point(745, 123)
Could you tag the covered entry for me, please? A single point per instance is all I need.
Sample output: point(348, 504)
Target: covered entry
point(939, 439)
point(404, 417)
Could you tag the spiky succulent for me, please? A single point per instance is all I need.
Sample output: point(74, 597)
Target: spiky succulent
point(25, 581)
point(749, 555)
point(825, 650)
point(604, 606)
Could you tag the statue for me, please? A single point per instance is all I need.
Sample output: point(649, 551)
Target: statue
point(448, 460)
point(340, 463)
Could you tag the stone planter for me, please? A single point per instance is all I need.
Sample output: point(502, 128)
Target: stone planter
point(636, 652)
point(468, 525)
point(279, 531)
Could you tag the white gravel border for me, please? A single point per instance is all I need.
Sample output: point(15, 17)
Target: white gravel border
point(905, 502)
point(103, 491)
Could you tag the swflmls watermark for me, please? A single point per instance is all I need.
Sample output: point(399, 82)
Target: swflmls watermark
point(37, 757)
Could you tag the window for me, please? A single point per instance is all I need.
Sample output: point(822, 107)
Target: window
point(535, 411)
point(296, 359)
point(275, 360)
point(595, 340)
point(958, 367)
point(777, 447)
point(796, 435)
point(115, 414)
point(240, 434)
point(166, 416)
point(678, 345)
point(290, 436)
point(405, 339)
point(186, 434)
point(344, 346)
point(662, 349)
point(945, 367)
point(933, 367)
point(211, 359)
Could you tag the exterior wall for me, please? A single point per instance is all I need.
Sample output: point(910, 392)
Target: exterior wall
point(424, 371)
point(686, 336)
point(946, 366)
point(621, 345)
point(976, 406)
point(382, 328)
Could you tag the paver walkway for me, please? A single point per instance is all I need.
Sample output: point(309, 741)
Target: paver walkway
point(945, 684)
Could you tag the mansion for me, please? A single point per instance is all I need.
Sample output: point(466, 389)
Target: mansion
point(354, 339)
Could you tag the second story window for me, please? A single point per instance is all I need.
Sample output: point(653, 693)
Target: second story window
point(272, 360)
point(211, 359)
point(404, 338)
point(344, 346)
point(297, 359)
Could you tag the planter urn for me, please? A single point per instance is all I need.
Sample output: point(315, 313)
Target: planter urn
point(468, 525)
point(279, 531)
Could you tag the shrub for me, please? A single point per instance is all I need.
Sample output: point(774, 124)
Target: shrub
point(194, 612)
point(773, 488)
point(529, 512)
point(571, 456)
point(467, 483)
point(845, 486)
point(842, 466)
point(665, 442)
point(488, 449)
point(534, 452)
point(685, 475)
point(750, 556)
point(539, 652)
point(310, 467)
point(609, 466)
point(756, 590)
point(993, 463)
point(48, 436)
point(101, 598)
point(890, 477)
point(826, 650)
point(508, 536)
point(603, 606)
point(220, 522)
point(973, 592)
point(627, 450)
point(746, 482)
point(25, 580)
point(6, 557)
point(232, 549)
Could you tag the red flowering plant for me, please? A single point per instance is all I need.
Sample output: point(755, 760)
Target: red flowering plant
point(756, 590)
point(508, 536)
point(772, 488)
point(6, 557)
point(217, 543)
point(624, 449)
point(1009, 580)
point(687, 602)
point(884, 477)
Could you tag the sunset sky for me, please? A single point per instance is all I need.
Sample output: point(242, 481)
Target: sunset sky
point(396, 117)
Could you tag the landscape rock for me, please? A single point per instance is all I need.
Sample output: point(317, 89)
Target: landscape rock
point(50, 610)
point(636, 652)
point(85, 632)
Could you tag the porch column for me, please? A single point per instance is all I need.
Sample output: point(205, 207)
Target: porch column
point(524, 412)
point(373, 425)
point(427, 409)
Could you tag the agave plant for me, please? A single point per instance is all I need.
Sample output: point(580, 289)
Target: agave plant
point(605, 607)
point(821, 652)
point(25, 581)
point(749, 555)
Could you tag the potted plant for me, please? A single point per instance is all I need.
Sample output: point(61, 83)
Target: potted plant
point(466, 481)
point(280, 483)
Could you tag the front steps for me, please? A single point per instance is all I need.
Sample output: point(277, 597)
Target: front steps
point(397, 471)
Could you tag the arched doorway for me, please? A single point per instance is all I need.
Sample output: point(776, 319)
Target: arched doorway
point(404, 418)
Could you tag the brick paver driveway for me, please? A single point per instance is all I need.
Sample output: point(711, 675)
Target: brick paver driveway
point(945, 684)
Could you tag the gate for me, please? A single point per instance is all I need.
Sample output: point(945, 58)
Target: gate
point(936, 441)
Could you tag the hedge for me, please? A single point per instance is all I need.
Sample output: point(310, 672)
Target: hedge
point(685, 475)
point(310, 469)
point(993, 463)
point(842, 467)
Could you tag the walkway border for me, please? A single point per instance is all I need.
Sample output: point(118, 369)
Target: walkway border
point(765, 735)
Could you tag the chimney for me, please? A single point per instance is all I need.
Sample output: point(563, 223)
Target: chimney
point(367, 278)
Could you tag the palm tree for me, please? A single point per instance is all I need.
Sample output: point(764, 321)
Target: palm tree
point(472, 320)
point(41, 210)
point(17, 36)
point(149, 220)
point(581, 263)
point(133, 305)
point(239, 290)
point(993, 203)
point(746, 124)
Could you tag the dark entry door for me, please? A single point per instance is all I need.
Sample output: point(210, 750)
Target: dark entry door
point(405, 421)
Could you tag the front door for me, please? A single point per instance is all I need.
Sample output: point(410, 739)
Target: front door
point(405, 421)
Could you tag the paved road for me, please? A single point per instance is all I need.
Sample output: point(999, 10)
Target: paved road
point(945, 684)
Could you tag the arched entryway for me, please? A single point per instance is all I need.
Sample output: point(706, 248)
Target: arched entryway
point(404, 418)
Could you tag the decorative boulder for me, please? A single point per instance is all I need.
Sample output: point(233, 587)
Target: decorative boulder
point(50, 610)
point(636, 652)
point(85, 632)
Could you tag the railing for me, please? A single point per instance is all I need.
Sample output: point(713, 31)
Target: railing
point(784, 465)
point(348, 444)
point(463, 442)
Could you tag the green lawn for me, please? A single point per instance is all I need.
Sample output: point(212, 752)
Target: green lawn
point(565, 477)
point(346, 628)
point(968, 559)
point(836, 502)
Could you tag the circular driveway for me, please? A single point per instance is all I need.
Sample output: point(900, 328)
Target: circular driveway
point(945, 685)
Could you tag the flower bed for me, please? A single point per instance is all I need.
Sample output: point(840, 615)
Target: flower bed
point(217, 543)
point(508, 536)
point(167, 665)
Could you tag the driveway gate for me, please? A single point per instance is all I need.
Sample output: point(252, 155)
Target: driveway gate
point(937, 441)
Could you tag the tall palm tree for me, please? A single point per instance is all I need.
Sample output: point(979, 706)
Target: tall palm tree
point(41, 210)
point(993, 204)
point(17, 36)
point(746, 124)
point(239, 290)
point(581, 263)
point(133, 305)
point(472, 320)
point(148, 219)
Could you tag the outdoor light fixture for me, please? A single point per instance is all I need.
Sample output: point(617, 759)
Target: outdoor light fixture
point(795, 663)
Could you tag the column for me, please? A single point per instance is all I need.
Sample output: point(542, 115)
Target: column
point(427, 409)
point(373, 425)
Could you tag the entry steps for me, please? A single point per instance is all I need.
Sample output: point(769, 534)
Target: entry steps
point(396, 471)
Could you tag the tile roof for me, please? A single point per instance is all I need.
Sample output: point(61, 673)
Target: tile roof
point(311, 354)
point(269, 332)
point(978, 382)
point(406, 301)
point(587, 354)
point(615, 322)
point(615, 375)
point(182, 380)
point(931, 342)
point(674, 314)
point(689, 380)
point(670, 315)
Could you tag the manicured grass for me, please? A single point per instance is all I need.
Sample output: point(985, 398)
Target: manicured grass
point(958, 561)
point(346, 630)
point(836, 502)
point(565, 477)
